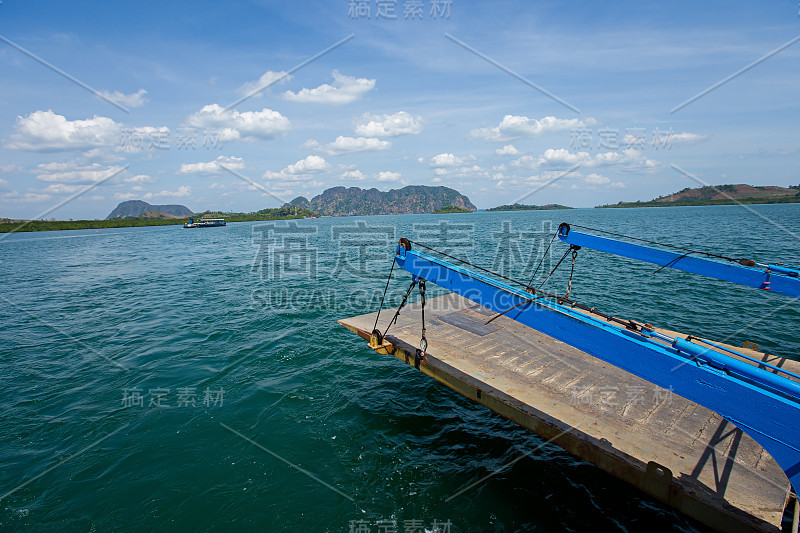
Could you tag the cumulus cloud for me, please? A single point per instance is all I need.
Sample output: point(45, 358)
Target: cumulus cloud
point(629, 159)
point(347, 145)
point(139, 178)
point(400, 123)
point(686, 137)
point(213, 167)
point(48, 131)
point(344, 90)
point(508, 149)
point(245, 126)
point(62, 188)
point(73, 172)
point(125, 195)
point(445, 160)
point(515, 127)
point(387, 176)
point(33, 197)
point(136, 99)
point(182, 192)
point(256, 88)
point(597, 179)
point(312, 163)
point(300, 170)
point(353, 175)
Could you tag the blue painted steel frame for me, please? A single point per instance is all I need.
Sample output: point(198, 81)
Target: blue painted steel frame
point(774, 278)
point(764, 405)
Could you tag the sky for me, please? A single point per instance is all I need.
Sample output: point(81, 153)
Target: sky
point(241, 106)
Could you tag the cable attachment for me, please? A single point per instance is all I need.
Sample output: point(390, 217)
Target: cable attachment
point(572, 269)
point(422, 352)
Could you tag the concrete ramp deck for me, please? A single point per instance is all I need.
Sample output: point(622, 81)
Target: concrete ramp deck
point(672, 449)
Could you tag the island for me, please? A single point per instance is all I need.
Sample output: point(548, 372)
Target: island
point(523, 207)
point(451, 209)
point(720, 195)
point(412, 199)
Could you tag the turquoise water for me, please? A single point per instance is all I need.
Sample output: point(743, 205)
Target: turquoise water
point(258, 412)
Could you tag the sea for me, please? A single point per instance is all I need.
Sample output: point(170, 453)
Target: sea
point(160, 378)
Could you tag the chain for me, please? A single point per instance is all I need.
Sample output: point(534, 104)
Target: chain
point(571, 272)
point(422, 352)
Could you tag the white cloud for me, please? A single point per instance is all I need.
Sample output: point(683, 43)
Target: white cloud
point(300, 171)
point(312, 163)
point(136, 99)
point(386, 176)
point(353, 175)
point(686, 137)
point(47, 131)
point(139, 178)
point(629, 159)
point(347, 145)
point(102, 155)
point(344, 90)
point(514, 127)
point(400, 123)
point(34, 197)
point(182, 192)
point(445, 160)
point(74, 172)
point(597, 179)
point(256, 88)
point(125, 195)
point(245, 126)
point(213, 167)
point(61, 188)
point(508, 149)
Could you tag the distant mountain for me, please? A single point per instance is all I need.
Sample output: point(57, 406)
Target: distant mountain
point(722, 195)
point(135, 208)
point(356, 201)
point(525, 207)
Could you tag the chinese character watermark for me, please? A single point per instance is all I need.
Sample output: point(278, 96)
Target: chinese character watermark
point(363, 249)
point(385, 525)
point(160, 397)
point(283, 251)
point(388, 9)
point(612, 139)
point(613, 396)
point(149, 138)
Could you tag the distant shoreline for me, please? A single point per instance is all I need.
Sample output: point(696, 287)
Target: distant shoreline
point(686, 203)
point(59, 225)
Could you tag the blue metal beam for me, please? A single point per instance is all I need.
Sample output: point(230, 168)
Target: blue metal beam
point(765, 405)
point(775, 278)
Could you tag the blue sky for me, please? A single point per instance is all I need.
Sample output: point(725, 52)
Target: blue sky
point(398, 103)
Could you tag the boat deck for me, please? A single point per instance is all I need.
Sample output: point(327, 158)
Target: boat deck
point(675, 450)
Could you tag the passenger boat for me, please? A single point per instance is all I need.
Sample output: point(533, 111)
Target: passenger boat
point(205, 223)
